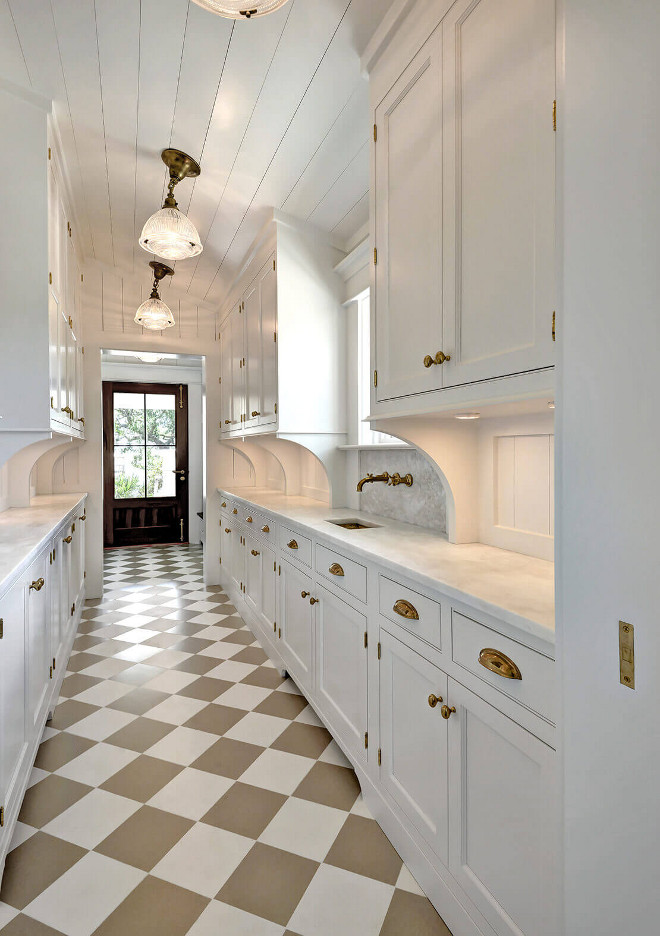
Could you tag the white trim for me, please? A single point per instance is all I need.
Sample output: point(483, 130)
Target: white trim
point(353, 262)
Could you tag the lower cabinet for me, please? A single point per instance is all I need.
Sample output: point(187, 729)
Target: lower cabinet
point(13, 724)
point(37, 637)
point(413, 739)
point(341, 670)
point(297, 624)
point(501, 834)
point(261, 583)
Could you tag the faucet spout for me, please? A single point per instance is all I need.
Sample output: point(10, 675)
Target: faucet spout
point(371, 477)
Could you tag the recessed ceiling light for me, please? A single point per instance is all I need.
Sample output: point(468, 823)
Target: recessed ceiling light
point(239, 9)
point(153, 313)
point(169, 233)
point(467, 416)
point(149, 357)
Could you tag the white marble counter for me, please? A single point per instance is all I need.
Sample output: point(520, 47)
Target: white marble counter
point(24, 530)
point(515, 589)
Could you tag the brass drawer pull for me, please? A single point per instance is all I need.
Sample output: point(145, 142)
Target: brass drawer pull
point(313, 601)
point(249, 520)
point(304, 594)
point(292, 544)
point(255, 552)
point(438, 358)
point(227, 529)
point(497, 662)
point(405, 609)
point(265, 529)
point(223, 504)
point(335, 569)
point(434, 699)
point(446, 712)
point(38, 585)
point(234, 511)
point(67, 539)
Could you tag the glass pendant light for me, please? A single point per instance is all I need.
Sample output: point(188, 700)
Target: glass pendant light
point(153, 313)
point(169, 233)
point(238, 9)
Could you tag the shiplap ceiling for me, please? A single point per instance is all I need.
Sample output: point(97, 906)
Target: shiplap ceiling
point(275, 108)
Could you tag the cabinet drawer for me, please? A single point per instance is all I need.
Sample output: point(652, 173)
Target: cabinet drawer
point(346, 574)
point(228, 506)
point(261, 526)
point(409, 609)
point(536, 687)
point(296, 546)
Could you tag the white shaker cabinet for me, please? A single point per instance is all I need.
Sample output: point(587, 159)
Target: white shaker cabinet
point(297, 624)
point(13, 725)
point(37, 636)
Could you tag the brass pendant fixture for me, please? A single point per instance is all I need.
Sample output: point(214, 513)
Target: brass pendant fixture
point(154, 313)
point(239, 9)
point(169, 233)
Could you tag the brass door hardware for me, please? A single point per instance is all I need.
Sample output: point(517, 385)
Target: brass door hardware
point(2, 628)
point(434, 699)
point(439, 358)
point(265, 529)
point(366, 739)
point(275, 626)
point(279, 633)
point(446, 712)
point(67, 409)
point(180, 396)
point(500, 663)
point(249, 520)
point(51, 672)
point(375, 378)
point(405, 609)
point(256, 412)
point(313, 601)
point(379, 757)
point(234, 511)
point(554, 326)
point(227, 422)
point(375, 256)
point(292, 544)
point(81, 419)
point(38, 585)
point(67, 539)
point(223, 504)
point(255, 552)
point(227, 529)
point(181, 528)
point(52, 405)
point(335, 569)
point(554, 115)
point(375, 133)
point(180, 472)
point(53, 664)
point(73, 528)
point(627, 654)
point(83, 517)
point(2, 815)
point(73, 608)
point(304, 594)
point(366, 640)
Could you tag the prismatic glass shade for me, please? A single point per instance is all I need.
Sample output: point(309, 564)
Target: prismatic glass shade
point(170, 234)
point(241, 9)
point(154, 314)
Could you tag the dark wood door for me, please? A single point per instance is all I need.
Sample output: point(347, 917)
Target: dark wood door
point(145, 463)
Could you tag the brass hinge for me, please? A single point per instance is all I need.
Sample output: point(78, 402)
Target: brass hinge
point(83, 350)
point(2, 628)
point(49, 153)
point(379, 757)
point(279, 570)
point(276, 409)
point(52, 405)
point(279, 633)
point(50, 278)
point(51, 672)
point(375, 133)
point(554, 115)
point(220, 560)
point(554, 322)
point(379, 649)
point(219, 379)
point(81, 278)
point(274, 567)
point(275, 626)
point(2, 808)
point(53, 664)
point(273, 264)
point(366, 739)
point(73, 608)
point(366, 640)
point(50, 558)
point(84, 575)
point(375, 256)
point(274, 336)
point(375, 378)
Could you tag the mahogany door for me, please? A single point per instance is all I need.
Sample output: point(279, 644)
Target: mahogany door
point(145, 463)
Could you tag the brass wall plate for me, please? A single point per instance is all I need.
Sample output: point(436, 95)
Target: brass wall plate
point(161, 270)
point(627, 654)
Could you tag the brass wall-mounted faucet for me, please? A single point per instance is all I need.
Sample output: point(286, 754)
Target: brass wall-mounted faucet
point(392, 480)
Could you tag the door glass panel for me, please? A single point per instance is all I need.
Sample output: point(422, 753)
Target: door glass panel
point(129, 418)
point(160, 410)
point(161, 480)
point(129, 471)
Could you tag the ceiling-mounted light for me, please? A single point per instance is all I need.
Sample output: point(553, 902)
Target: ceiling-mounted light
point(169, 233)
point(148, 357)
point(241, 9)
point(467, 416)
point(154, 313)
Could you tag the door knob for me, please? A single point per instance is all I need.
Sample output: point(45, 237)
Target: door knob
point(227, 422)
point(67, 539)
point(434, 699)
point(446, 712)
point(180, 472)
point(254, 552)
point(438, 358)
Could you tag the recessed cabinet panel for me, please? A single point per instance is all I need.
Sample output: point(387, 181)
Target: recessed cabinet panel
point(13, 738)
point(226, 383)
point(237, 564)
point(499, 181)
point(502, 843)
point(413, 738)
point(297, 628)
point(408, 227)
point(268, 288)
point(252, 354)
point(341, 679)
point(38, 643)
point(237, 370)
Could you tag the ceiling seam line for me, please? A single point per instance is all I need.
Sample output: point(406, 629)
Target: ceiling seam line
point(137, 133)
point(20, 44)
point(178, 85)
point(343, 172)
point(353, 206)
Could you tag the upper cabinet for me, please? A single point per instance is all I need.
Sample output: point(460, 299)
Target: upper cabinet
point(463, 182)
point(281, 342)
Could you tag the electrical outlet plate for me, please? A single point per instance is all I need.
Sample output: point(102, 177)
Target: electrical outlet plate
point(627, 654)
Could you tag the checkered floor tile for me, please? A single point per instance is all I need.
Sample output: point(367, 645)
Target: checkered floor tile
point(184, 787)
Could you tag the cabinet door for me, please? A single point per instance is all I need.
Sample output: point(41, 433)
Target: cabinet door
point(226, 381)
point(63, 551)
point(37, 637)
point(13, 738)
point(341, 674)
point(413, 739)
point(57, 622)
point(237, 558)
point(252, 367)
point(56, 360)
point(502, 818)
point(499, 187)
point(297, 624)
point(268, 344)
point(237, 370)
point(269, 588)
point(253, 576)
point(408, 227)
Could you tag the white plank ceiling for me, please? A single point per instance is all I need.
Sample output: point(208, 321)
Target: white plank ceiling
point(275, 109)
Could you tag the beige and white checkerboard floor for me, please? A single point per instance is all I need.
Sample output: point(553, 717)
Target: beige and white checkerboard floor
point(184, 787)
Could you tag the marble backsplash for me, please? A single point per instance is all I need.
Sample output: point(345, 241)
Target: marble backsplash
point(423, 504)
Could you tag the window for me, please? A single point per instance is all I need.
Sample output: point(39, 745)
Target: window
point(145, 445)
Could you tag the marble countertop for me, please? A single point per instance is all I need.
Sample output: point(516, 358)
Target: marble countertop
point(24, 530)
point(515, 589)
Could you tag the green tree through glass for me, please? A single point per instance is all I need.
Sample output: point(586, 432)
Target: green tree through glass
point(145, 429)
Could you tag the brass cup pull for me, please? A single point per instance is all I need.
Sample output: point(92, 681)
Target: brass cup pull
point(313, 601)
point(497, 662)
point(434, 699)
point(227, 529)
point(265, 529)
point(438, 358)
point(256, 412)
point(249, 520)
point(292, 544)
point(38, 585)
point(335, 569)
point(255, 552)
point(405, 609)
point(304, 594)
point(446, 712)
point(234, 511)
point(67, 539)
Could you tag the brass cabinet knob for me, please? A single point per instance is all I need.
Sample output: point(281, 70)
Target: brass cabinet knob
point(67, 539)
point(227, 422)
point(248, 520)
point(438, 358)
point(500, 663)
point(405, 609)
point(445, 711)
point(335, 569)
point(81, 419)
point(38, 585)
point(254, 552)
point(265, 529)
point(304, 594)
point(223, 504)
point(292, 544)
point(313, 601)
point(256, 412)
point(434, 699)
point(67, 409)
point(227, 529)
point(84, 517)
point(234, 511)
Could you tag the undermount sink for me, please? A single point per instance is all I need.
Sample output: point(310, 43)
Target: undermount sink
point(352, 524)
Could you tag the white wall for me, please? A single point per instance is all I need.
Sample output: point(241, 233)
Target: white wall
point(609, 452)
